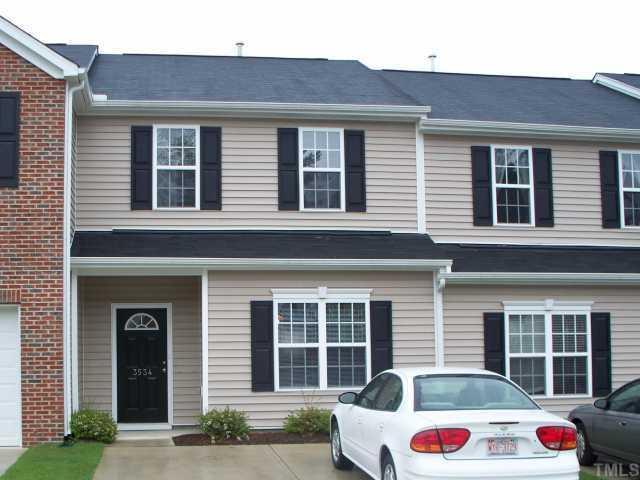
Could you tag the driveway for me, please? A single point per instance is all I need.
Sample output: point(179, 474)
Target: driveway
point(266, 462)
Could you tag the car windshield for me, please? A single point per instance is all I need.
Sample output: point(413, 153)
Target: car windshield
point(468, 392)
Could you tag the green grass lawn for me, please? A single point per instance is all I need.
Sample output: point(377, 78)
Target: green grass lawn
point(53, 462)
point(588, 476)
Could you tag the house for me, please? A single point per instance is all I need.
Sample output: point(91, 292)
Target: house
point(181, 233)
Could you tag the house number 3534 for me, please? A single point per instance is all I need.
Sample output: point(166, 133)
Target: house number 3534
point(141, 372)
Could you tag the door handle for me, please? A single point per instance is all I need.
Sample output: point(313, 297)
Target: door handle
point(164, 370)
point(381, 427)
point(622, 423)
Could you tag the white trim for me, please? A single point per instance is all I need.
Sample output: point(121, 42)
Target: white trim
point(469, 242)
point(204, 292)
point(510, 129)
point(617, 85)
point(231, 228)
point(114, 360)
point(421, 199)
point(622, 189)
point(438, 320)
point(321, 293)
point(195, 168)
point(16, 308)
point(525, 278)
point(75, 356)
point(36, 52)
point(302, 168)
point(494, 185)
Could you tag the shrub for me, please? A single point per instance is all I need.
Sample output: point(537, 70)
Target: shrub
point(225, 424)
point(88, 424)
point(308, 420)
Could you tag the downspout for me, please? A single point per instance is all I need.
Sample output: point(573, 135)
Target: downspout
point(438, 314)
point(68, 334)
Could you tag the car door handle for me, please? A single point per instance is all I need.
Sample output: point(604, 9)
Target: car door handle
point(381, 427)
point(622, 423)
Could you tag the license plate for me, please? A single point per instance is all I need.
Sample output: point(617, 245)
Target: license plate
point(502, 446)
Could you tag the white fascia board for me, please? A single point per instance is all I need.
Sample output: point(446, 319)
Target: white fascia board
point(36, 52)
point(533, 130)
point(524, 278)
point(616, 85)
point(105, 264)
point(100, 106)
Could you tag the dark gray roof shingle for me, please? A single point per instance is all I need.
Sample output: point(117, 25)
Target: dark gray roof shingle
point(241, 79)
point(553, 101)
point(81, 55)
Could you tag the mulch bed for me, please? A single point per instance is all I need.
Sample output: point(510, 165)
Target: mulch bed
point(255, 438)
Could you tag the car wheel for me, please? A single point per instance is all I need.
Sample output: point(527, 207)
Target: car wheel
point(586, 456)
point(388, 468)
point(339, 460)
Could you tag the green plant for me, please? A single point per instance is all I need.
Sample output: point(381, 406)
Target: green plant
point(225, 424)
point(89, 424)
point(308, 420)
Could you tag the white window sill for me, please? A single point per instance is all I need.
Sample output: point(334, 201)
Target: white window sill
point(514, 225)
point(562, 397)
point(323, 210)
point(177, 209)
point(331, 390)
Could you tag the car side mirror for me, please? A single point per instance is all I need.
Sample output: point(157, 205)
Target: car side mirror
point(348, 398)
point(601, 403)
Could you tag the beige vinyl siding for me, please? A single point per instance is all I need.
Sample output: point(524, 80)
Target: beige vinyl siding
point(576, 194)
point(74, 163)
point(249, 178)
point(463, 325)
point(94, 311)
point(230, 294)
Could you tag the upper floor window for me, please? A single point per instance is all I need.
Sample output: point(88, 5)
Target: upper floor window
point(630, 186)
point(321, 169)
point(512, 185)
point(176, 172)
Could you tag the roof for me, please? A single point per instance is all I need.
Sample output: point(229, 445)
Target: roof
point(537, 100)
point(539, 259)
point(81, 55)
point(255, 244)
point(632, 79)
point(241, 79)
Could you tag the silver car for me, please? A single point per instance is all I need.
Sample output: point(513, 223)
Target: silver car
point(610, 427)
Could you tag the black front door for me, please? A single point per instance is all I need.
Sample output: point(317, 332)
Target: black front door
point(142, 365)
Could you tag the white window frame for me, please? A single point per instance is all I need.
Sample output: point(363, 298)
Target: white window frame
point(302, 169)
point(195, 167)
point(321, 296)
point(622, 188)
point(532, 211)
point(548, 308)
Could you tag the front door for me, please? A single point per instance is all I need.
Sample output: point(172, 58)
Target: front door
point(142, 365)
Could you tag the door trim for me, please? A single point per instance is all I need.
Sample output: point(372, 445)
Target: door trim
point(16, 308)
point(114, 358)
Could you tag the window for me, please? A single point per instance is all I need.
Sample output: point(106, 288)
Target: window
point(512, 185)
point(176, 175)
point(626, 400)
point(321, 169)
point(390, 396)
point(141, 321)
point(548, 347)
point(322, 339)
point(367, 398)
point(630, 185)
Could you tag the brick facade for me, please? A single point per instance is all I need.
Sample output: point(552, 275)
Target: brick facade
point(31, 244)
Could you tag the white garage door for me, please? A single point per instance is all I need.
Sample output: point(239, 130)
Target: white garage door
point(9, 377)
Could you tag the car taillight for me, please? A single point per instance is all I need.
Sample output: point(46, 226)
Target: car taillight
point(557, 438)
point(440, 440)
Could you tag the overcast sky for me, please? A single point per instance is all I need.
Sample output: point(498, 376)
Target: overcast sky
point(564, 38)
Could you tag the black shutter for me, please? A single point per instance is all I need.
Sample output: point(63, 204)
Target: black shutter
point(601, 354)
point(288, 196)
point(609, 189)
point(262, 346)
point(381, 336)
point(210, 168)
point(141, 168)
point(481, 179)
point(9, 138)
point(355, 176)
point(494, 352)
point(543, 187)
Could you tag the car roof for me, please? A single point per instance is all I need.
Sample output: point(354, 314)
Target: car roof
point(418, 371)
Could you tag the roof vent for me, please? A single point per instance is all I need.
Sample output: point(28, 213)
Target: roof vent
point(432, 61)
point(239, 47)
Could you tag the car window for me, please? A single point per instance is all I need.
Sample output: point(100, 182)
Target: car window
point(626, 400)
point(367, 397)
point(390, 395)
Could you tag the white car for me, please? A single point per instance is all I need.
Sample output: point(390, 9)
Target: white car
point(450, 423)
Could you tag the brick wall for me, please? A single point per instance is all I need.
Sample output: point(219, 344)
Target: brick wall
point(31, 247)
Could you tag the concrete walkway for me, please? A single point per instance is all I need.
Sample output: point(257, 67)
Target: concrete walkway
point(8, 457)
point(267, 462)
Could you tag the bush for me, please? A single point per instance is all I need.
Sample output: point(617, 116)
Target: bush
point(88, 424)
point(225, 424)
point(307, 421)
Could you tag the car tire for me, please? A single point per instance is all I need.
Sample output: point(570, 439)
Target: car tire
point(586, 457)
point(337, 457)
point(388, 468)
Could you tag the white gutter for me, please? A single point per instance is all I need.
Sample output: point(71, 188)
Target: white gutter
point(507, 129)
point(493, 278)
point(616, 85)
